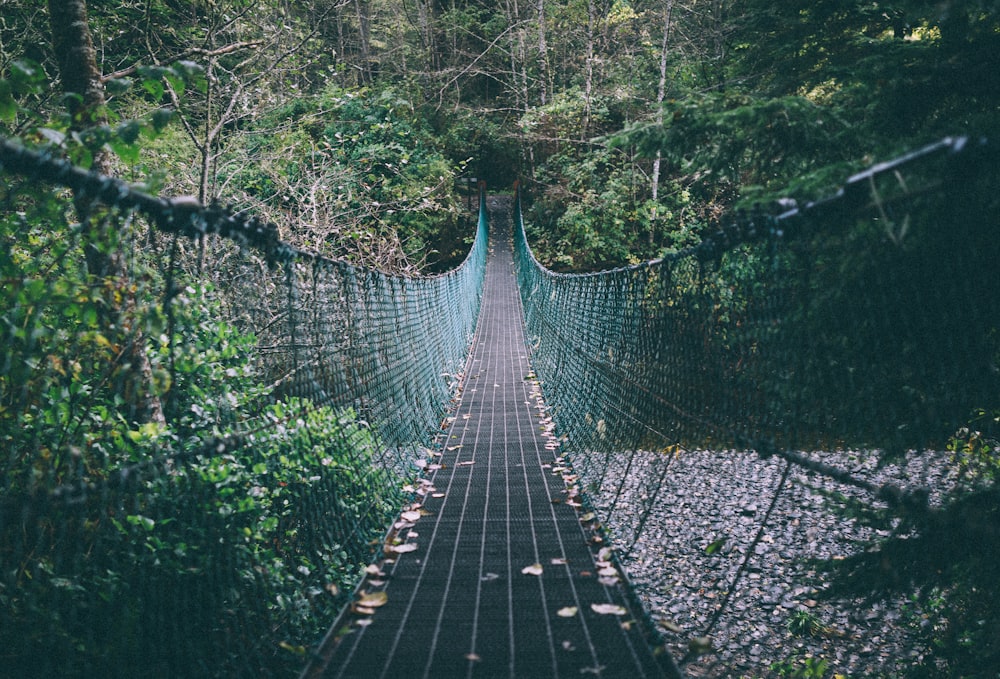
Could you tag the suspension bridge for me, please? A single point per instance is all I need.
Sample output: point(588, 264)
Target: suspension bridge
point(356, 474)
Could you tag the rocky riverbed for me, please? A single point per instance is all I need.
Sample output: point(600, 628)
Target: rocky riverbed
point(701, 516)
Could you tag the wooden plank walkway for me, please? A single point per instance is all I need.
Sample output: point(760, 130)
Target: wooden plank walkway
point(460, 605)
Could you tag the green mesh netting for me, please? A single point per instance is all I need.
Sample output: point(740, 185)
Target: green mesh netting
point(204, 431)
point(870, 321)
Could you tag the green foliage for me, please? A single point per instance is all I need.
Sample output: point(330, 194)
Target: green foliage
point(25, 78)
point(365, 180)
point(804, 667)
point(595, 210)
point(748, 143)
point(123, 539)
point(805, 624)
point(122, 135)
point(976, 448)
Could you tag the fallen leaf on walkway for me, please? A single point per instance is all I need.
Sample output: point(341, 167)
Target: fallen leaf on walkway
point(420, 463)
point(373, 569)
point(373, 599)
point(454, 447)
point(473, 657)
point(363, 622)
point(589, 516)
point(700, 645)
point(403, 548)
point(533, 569)
point(608, 571)
point(489, 577)
point(559, 561)
point(671, 626)
point(463, 464)
point(608, 609)
point(438, 495)
point(410, 516)
point(567, 611)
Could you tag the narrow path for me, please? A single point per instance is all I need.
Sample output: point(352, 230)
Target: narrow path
point(460, 605)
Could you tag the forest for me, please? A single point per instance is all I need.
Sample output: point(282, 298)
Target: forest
point(361, 129)
point(634, 124)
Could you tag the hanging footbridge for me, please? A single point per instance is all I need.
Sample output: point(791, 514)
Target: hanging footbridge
point(353, 474)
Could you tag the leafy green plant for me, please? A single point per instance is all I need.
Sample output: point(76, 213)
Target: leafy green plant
point(806, 667)
point(976, 448)
point(805, 624)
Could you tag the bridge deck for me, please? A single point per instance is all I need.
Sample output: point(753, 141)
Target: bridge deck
point(460, 605)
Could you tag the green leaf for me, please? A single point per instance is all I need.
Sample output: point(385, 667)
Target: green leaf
point(154, 87)
point(129, 132)
point(26, 77)
point(140, 520)
point(715, 546)
point(118, 85)
point(128, 153)
point(8, 107)
point(160, 118)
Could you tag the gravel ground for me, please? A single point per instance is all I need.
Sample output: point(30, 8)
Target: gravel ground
point(703, 523)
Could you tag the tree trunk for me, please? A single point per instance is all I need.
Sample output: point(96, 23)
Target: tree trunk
point(588, 83)
point(77, 61)
point(661, 92)
point(543, 54)
point(364, 41)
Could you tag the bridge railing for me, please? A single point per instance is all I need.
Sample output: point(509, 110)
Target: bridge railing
point(863, 325)
point(205, 431)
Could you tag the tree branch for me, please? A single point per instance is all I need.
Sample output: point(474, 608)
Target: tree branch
point(193, 52)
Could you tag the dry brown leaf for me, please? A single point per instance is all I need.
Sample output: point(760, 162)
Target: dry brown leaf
point(403, 548)
point(410, 516)
point(671, 626)
point(608, 609)
point(567, 611)
point(373, 599)
point(533, 569)
point(373, 569)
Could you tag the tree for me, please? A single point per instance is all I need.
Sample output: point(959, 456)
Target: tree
point(82, 82)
